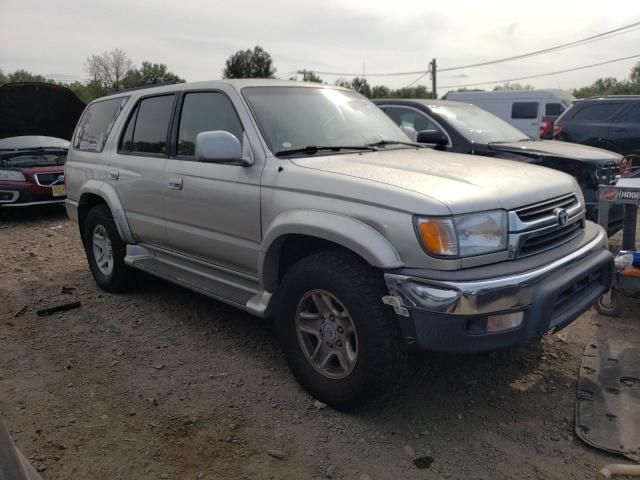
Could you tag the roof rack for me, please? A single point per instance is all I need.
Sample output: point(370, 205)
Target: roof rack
point(152, 84)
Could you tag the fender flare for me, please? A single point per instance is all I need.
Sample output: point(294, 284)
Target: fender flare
point(109, 195)
point(343, 230)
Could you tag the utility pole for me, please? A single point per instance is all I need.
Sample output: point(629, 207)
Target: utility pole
point(433, 69)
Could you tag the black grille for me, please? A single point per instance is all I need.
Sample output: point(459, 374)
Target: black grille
point(574, 292)
point(538, 243)
point(545, 209)
point(47, 178)
point(608, 173)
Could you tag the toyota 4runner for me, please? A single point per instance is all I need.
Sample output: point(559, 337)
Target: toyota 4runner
point(306, 203)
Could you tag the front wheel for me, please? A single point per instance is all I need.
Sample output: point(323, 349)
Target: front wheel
point(341, 342)
point(609, 304)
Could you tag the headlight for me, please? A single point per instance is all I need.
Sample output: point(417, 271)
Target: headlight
point(11, 175)
point(578, 191)
point(464, 235)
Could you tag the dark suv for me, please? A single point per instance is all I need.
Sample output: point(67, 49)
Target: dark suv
point(610, 122)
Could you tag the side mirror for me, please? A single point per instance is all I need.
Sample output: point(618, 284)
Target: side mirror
point(219, 146)
point(433, 137)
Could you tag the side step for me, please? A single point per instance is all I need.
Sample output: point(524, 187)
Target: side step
point(236, 289)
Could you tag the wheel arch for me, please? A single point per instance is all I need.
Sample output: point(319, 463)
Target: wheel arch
point(95, 193)
point(296, 234)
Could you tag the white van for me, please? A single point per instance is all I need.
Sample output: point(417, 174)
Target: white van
point(524, 109)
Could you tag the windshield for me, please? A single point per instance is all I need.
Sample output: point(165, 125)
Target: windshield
point(478, 125)
point(30, 159)
point(297, 117)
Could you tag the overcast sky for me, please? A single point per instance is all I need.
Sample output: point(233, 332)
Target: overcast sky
point(194, 37)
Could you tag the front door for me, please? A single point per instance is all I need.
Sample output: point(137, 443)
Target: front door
point(212, 210)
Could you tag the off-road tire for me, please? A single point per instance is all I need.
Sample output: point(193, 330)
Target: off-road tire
point(381, 350)
point(119, 279)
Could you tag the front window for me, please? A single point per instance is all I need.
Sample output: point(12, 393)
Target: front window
point(478, 125)
point(297, 117)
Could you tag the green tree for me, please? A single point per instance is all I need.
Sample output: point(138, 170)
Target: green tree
point(87, 91)
point(513, 86)
point(309, 76)
point(3, 78)
point(380, 91)
point(26, 76)
point(634, 76)
point(256, 63)
point(150, 73)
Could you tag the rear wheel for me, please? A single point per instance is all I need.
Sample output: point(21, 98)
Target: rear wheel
point(105, 250)
point(609, 304)
point(341, 342)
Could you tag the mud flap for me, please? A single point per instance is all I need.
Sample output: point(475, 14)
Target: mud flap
point(608, 398)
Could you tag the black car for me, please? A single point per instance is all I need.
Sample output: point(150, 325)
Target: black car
point(611, 122)
point(465, 128)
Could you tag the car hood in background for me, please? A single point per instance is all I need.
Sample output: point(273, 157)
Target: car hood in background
point(38, 109)
point(556, 149)
point(464, 183)
point(32, 141)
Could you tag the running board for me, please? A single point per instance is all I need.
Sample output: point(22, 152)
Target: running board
point(236, 289)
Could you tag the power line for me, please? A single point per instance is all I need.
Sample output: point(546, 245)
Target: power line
point(593, 38)
point(543, 74)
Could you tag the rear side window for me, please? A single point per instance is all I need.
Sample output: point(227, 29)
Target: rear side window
point(596, 111)
point(147, 128)
point(633, 115)
point(96, 123)
point(203, 112)
point(524, 110)
point(553, 109)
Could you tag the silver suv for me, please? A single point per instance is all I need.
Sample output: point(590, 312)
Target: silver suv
point(305, 202)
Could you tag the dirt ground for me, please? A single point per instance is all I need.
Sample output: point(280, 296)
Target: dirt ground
point(163, 383)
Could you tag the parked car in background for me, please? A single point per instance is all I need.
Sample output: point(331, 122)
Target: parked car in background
point(36, 123)
point(610, 122)
point(305, 202)
point(465, 128)
point(530, 111)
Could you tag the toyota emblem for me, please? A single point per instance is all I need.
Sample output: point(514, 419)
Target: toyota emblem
point(562, 216)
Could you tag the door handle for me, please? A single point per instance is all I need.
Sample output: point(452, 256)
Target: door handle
point(114, 173)
point(175, 183)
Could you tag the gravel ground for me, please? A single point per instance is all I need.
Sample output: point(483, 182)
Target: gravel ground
point(163, 383)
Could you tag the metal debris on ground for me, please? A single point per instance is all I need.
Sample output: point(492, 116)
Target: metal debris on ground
point(63, 307)
point(21, 311)
point(614, 470)
point(608, 398)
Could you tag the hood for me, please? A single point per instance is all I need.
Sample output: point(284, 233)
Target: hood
point(26, 142)
point(557, 149)
point(464, 183)
point(38, 109)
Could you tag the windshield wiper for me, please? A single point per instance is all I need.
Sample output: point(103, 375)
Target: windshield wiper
point(311, 149)
point(384, 143)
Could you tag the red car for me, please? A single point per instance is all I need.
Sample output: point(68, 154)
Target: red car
point(36, 122)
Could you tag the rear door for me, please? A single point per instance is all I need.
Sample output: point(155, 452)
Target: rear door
point(212, 210)
point(590, 122)
point(526, 117)
point(136, 171)
point(625, 130)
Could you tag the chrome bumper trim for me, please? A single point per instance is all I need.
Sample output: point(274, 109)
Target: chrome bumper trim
point(483, 296)
point(32, 204)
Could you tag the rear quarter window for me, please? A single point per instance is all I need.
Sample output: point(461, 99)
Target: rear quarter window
point(524, 110)
point(96, 123)
point(596, 112)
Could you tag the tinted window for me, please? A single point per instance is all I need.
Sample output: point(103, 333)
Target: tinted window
point(553, 109)
point(524, 110)
point(152, 123)
point(202, 112)
point(127, 138)
point(95, 125)
point(596, 111)
point(409, 118)
point(633, 115)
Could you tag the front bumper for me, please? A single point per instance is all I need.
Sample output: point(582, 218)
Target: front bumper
point(452, 316)
point(27, 196)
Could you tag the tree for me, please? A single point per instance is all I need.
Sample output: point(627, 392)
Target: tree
point(361, 86)
point(309, 76)
point(380, 91)
point(150, 73)
point(3, 78)
point(109, 69)
point(87, 91)
point(256, 63)
point(634, 76)
point(513, 86)
point(26, 76)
